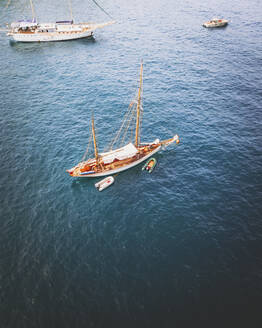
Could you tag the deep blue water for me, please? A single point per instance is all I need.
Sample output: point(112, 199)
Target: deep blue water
point(178, 248)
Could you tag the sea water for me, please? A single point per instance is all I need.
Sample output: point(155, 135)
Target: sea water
point(179, 247)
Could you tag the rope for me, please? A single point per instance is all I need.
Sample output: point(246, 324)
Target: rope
point(87, 149)
point(128, 124)
point(16, 6)
point(124, 122)
point(129, 118)
point(8, 3)
point(102, 9)
point(140, 122)
point(133, 129)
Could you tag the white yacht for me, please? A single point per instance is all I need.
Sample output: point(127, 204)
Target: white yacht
point(33, 31)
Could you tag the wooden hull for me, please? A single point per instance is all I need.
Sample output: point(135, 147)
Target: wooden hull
point(120, 169)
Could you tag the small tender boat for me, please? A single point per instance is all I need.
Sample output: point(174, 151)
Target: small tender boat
point(216, 22)
point(150, 164)
point(103, 184)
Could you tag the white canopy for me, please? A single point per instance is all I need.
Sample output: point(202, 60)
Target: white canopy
point(121, 153)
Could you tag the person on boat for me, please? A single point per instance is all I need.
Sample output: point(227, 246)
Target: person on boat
point(149, 165)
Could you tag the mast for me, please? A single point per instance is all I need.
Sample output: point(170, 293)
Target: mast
point(138, 105)
point(94, 139)
point(71, 12)
point(33, 10)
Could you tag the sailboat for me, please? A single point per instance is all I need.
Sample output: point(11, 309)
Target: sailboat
point(125, 157)
point(32, 31)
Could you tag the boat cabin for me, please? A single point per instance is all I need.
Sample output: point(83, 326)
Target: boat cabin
point(24, 26)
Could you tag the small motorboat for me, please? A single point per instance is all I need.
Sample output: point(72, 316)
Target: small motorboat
point(150, 164)
point(103, 184)
point(216, 22)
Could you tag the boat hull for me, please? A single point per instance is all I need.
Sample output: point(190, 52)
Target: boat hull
point(214, 25)
point(149, 168)
point(105, 183)
point(120, 169)
point(49, 36)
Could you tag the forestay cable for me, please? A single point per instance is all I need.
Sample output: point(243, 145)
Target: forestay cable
point(95, 2)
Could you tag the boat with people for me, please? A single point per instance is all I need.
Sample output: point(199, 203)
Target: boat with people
point(216, 22)
point(131, 151)
point(33, 31)
point(150, 165)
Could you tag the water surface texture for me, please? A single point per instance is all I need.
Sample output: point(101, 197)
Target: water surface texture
point(179, 247)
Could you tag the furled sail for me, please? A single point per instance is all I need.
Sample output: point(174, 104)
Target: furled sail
point(127, 151)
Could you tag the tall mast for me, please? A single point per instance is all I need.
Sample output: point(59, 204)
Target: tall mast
point(32, 8)
point(94, 139)
point(138, 105)
point(71, 12)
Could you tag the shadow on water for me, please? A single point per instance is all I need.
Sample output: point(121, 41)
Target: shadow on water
point(81, 182)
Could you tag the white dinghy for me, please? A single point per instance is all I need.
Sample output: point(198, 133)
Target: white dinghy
point(103, 184)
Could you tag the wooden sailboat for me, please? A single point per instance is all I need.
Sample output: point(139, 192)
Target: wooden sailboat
point(125, 157)
point(32, 31)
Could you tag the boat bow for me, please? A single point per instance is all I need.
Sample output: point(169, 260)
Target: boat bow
point(168, 142)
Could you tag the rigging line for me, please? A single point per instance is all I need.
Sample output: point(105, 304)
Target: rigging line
point(129, 121)
point(128, 124)
point(25, 7)
point(140, 122)
point(70, 8)
point(132, 126)
point(32, 8)
point(141, 115)
point(6, 6)
point(132, 129)
point(89, 141)
point(102, 9)
point(8, 3)
point(87, 149)
point(119, 131)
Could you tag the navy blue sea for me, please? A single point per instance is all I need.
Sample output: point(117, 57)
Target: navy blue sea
point(180, 247)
